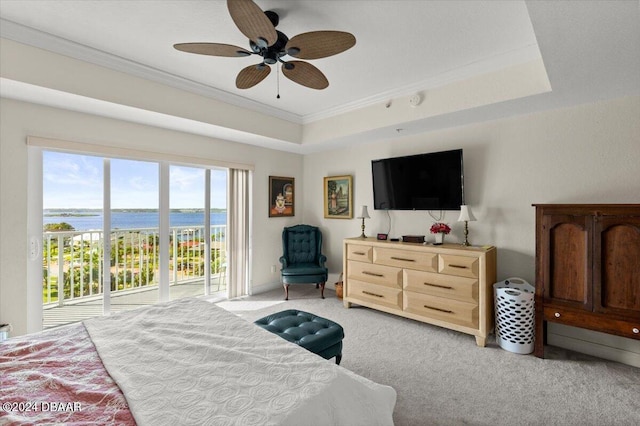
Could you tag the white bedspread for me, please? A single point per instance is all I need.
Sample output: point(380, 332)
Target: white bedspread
point(191, 362)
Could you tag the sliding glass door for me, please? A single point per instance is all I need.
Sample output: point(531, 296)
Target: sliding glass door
point(134, 233)
point(188, 232)
point(146, 262)
point(72, 264)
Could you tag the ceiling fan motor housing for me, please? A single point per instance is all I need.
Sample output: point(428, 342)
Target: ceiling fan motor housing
point(273, 53)
point(273, 17)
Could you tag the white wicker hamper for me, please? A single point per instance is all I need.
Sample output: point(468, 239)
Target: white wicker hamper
point(514, 307)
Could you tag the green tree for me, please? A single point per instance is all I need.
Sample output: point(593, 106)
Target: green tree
point(62, 226)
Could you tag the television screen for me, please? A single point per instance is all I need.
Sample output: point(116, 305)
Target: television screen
point(432, 181)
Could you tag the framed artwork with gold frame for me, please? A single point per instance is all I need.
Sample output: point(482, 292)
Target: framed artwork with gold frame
point(338, 197)
point(281, 196)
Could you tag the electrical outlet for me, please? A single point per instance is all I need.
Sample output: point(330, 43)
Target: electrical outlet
point(273, 269)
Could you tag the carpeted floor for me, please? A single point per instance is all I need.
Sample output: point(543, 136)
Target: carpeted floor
point(443, 378)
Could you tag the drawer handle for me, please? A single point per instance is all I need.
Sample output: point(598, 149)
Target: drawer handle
point(371, 294)
point(458, 266)
point(636, 331)
point(439, 286)
point(557, 315)
point(372, 274)
point(359, 253)
point(438, 309)
point(403, 259)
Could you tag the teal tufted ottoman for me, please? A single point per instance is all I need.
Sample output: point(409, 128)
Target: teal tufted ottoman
point(314, 333)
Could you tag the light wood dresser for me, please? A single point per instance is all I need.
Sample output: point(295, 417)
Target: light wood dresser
point(448, 285)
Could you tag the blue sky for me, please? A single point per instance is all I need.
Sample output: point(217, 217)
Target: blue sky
point(75, 181)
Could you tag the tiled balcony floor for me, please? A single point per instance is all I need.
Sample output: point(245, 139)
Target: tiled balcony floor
point(79, 311)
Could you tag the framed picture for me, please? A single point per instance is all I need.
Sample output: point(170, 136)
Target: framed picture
point(338, 199)
point(281, 196)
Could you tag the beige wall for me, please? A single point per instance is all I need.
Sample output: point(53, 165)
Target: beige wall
point(586, 154)
point(19, 120)
point(583, 154)
point(42, 68)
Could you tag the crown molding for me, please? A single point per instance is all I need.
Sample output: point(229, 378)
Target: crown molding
point(40, 39)
point(514, 57)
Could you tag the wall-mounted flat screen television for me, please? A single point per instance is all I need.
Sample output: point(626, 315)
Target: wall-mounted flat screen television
point(432, 181)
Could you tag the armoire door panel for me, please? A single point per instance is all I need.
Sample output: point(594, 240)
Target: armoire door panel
point(569, 260)
point(618, 291)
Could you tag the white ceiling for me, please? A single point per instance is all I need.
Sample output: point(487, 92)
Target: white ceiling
point(591, 49)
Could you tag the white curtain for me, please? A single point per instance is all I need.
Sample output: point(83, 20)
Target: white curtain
point(238, 233)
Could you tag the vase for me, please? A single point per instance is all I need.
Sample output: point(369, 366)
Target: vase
point(439, 238)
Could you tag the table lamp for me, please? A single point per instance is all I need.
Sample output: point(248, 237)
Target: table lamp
point(364, 214)
point(465, 216)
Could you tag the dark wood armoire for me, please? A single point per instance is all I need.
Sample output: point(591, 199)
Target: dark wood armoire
point(587, 268)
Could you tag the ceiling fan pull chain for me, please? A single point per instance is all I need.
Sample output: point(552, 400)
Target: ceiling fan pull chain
point(278, 80)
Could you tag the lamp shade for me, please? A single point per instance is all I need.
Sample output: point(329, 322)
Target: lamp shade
point(466, 215)
point(364, 214)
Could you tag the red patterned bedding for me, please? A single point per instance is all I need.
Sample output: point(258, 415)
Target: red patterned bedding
point(186, 362)
point(57, 377)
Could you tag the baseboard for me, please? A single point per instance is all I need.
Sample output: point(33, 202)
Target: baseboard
point(601, 345)
point(263, 288)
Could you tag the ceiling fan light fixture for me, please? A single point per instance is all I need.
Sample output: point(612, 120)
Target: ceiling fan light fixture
point(254, 47)
point(262, 43)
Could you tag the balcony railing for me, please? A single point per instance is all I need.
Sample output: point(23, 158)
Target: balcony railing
point(73, 265)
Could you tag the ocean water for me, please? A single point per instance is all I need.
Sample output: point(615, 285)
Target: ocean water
point(84, 221)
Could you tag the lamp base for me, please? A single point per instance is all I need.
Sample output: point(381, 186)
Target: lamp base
point(466, 234)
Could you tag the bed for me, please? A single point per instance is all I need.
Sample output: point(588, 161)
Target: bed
point(179, 363)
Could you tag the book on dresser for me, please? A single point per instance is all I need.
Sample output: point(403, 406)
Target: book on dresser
point(447, 285)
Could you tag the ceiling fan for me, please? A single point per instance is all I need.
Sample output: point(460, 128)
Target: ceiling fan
point(272, 45)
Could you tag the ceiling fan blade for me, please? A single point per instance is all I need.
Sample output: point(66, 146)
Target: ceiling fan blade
point(252, 22)
point(305, 74)
point(212, 49)
point(252, 75)
point(319, 44)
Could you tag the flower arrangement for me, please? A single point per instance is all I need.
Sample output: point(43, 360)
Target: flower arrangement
point(440, 227)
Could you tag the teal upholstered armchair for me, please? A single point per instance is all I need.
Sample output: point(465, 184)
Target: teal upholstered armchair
point(302, 259)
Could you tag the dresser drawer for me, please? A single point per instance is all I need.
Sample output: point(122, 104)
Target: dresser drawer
point(359, 253)
point(448, 286)
point(423, 261)
point(449, 310)
point(376, 274)
point(461, 266)
point(380, 295)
